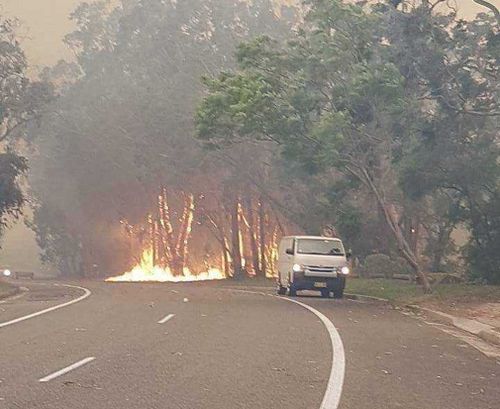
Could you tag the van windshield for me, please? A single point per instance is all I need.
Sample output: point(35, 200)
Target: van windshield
point(320, 247)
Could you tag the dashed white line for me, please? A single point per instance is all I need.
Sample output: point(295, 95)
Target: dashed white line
point(86, 294)
point(167, 318)
point(64, 371)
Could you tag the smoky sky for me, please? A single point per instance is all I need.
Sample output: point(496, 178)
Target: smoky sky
point(45, 22)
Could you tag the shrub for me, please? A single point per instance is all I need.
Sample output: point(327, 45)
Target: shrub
point(381, 265)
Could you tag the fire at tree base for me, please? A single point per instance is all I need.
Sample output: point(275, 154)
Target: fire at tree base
point(147, 271)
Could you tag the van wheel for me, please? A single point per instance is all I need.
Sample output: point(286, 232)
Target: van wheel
point(281, 290)
point(325, 293)
point(292, 291)
point(338, 293)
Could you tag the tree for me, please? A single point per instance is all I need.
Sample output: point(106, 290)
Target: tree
point(123, 128)
point(400, 105)
point(21, 101)
point(491, 6)
point(327, 98)
point(457, 153)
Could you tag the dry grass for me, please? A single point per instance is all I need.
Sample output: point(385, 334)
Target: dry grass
point(402, 292)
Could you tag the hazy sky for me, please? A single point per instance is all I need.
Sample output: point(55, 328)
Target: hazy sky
point(45, 22)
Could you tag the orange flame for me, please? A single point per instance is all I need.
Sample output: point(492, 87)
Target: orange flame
point(147, 271)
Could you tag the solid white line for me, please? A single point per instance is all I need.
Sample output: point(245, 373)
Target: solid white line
point(86, 294)
point(331, 399)
point(67, 369)
point(168, 317)
point(333, 393)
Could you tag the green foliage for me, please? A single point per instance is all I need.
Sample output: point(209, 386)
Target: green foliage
point(404, 102)
point(483, 251)
point(21, 102)
point(12, 167)
point(58, 246)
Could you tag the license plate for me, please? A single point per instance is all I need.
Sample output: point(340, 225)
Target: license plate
point(320, 285)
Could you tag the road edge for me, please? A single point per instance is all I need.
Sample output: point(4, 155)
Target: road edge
point(86, 294)
point(10, 293)
point(483, 331)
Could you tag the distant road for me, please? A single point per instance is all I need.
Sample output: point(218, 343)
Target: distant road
point(203, 345)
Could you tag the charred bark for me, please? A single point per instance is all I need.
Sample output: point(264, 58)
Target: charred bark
point(252, 231)
point(236, 244)
point(262, 236)
point(180, 254)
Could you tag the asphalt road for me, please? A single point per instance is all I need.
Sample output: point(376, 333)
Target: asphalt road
point(217, 348)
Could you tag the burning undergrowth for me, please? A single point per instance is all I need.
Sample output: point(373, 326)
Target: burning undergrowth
point(196, 238)
point(146, 270)
point(164, 245)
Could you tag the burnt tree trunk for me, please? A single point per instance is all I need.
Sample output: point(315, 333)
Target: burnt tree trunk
point(219, 232)
point(262, 237)
point(180, 254)
point(166, 229)
point(236, 244)
point(252, 231)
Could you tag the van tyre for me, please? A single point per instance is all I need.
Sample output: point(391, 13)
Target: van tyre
point(338, 293)
point(292, 291)
point(325, 293)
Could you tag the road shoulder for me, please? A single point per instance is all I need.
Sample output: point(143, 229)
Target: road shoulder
point(8, 290)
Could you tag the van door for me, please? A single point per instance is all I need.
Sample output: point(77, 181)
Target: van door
point(285, 261)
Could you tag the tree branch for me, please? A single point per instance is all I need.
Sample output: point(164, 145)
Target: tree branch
point(492, 7)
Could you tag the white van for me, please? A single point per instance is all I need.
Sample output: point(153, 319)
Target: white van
point(312, 263)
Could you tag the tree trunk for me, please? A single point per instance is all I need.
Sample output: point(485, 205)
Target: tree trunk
point(219, 232)
point(152, 236)
point(226, 262)
point(415, 229)
point(443, 237)
point(166, 230)
point(236, 239)
point(179, 260)
point(262, 237)
point(253, 237)
point(391, 219)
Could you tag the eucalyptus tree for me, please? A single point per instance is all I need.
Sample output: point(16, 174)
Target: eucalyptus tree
point(374, 96)
point(21, 102)
point(124, 128)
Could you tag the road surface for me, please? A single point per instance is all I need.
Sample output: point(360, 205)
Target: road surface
point(204, 345)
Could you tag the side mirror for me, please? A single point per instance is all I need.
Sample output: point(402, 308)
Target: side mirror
point(289, 251)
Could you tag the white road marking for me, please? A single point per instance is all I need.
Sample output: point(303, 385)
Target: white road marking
point(168, 317)
point(15, 297)
point(67, 369)
point(333, 393)
point(331, 399)
point(86, 294)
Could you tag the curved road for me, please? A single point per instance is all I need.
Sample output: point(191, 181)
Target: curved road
point(203, 345)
